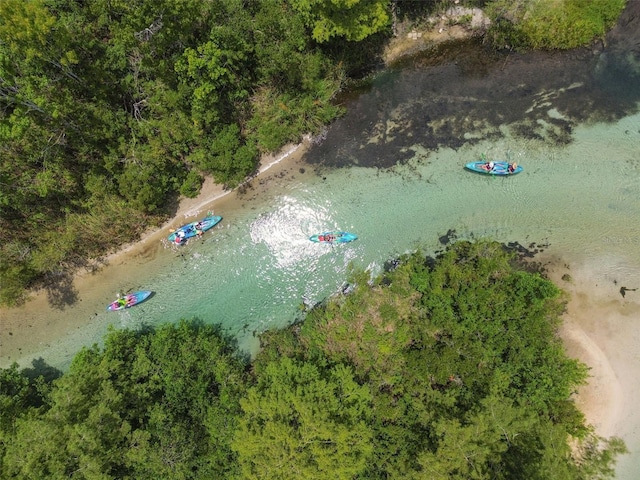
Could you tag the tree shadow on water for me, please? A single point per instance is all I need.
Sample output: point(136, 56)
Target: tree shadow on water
point(461, 93)
point(60, 291)
point(40, 368)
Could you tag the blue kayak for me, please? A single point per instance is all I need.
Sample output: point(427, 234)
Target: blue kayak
point(129, 300)
point(182, 234)
point(333, 237)
point(499, 168)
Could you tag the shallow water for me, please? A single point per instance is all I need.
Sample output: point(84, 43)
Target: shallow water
point(573, 127)
point(257, 268)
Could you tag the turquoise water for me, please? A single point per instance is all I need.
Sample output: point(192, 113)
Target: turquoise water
point(257, 268)
point(576, 134)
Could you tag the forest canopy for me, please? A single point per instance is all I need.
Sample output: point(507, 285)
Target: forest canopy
point(440, 368)
point(110, 110)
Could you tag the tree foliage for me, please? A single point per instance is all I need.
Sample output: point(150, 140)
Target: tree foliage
point(551, 24)
point(149, 405)
point(352, 19)
point(302, 422)
point(468, 376)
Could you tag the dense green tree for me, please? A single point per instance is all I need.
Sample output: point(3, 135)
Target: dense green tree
point(149, 405)
point(352, 19)
point(216, 71)
point(14, 403)
point(548, 24)
point(468, 376)
point(302, 422)
point(46, 140)
point(14, 392)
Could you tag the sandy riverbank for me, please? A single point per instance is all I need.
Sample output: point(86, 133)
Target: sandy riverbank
point(211, 193)
point(30, 328)
point(599, 329)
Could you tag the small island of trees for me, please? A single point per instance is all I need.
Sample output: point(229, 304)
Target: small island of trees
point(440, 368)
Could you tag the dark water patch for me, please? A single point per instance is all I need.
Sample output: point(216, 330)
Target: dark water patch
point(525, 256)
point(391, 264)
point(624, 290)
point(40, 368)
point(527, 129)
point(61, 292)
point(524, 259)
point(462, 93)
point(622, 55)
point(521, 250)
point(450, 236)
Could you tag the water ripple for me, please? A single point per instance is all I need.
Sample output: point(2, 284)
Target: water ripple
point(285, 230)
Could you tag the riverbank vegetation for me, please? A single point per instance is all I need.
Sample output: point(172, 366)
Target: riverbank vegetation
point(549, 24)
point(111, 110)
point(446, 367)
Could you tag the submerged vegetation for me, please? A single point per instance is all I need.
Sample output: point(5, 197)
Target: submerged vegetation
point(446, 367)
point(111, 110)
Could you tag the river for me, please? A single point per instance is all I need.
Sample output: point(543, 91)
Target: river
point(392, 171)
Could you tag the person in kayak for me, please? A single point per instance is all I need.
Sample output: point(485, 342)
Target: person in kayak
point(180, 236)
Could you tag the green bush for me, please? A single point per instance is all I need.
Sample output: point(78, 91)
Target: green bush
point(192, 184)
point(551, 24)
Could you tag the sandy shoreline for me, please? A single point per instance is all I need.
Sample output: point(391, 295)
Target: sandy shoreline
point(30, 328)
point(599, 329)
point(210, 193)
